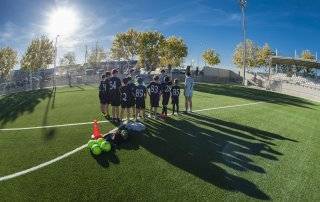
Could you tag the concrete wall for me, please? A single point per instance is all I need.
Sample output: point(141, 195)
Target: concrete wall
point(300, 91)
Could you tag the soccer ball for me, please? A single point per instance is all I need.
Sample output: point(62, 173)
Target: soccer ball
point(100, 141)
point(91, 143)
point(105, 146)
point(96, 149)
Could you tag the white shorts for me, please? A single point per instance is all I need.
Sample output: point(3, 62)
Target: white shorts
point(188, 93)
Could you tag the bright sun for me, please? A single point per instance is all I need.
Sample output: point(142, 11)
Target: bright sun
point(62, 21)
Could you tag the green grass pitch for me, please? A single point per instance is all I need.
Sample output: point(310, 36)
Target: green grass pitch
point(266, 151)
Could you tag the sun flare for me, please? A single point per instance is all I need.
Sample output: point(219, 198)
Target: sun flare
point(62, 21)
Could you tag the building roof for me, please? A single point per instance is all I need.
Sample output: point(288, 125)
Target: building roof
point(294, 62)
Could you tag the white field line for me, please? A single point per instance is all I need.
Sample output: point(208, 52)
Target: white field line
point(14, 175)
point(51, 126)
point(88, 123)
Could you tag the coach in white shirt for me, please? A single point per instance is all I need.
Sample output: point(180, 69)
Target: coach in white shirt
point(188, 91)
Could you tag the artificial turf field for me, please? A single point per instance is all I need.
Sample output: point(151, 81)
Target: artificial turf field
point(264, 151)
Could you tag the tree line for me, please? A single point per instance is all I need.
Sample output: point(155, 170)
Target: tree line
point(150, 48)
point(259, 57)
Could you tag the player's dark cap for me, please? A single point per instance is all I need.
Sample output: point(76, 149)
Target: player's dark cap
point(114, 71)
point(103, 76)
point(108, 73)
point(140, 80)
point(156, 78)
point(162, 71)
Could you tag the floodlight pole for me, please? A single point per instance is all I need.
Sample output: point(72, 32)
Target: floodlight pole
point(243, 5)
point(55, 60)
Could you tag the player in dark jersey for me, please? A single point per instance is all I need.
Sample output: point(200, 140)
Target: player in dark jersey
point(175, 93)
point(103, 95)
point(125, 99)
point(154, 91)
point(132, 87)
point(140, 95)
point(108, 74)
point(166, 91)
point(114, 91)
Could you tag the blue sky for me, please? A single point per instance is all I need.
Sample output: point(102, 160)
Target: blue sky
point(285, 25)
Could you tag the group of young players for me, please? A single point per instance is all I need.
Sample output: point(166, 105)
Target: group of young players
point(126, 96)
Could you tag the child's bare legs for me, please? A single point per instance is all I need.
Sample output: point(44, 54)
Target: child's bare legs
point(117, 112)
point(107, 109)
point(113, 112)
point(128, 114)
point(134, 112)
point(143, 113)
point(186, 104)
point(121, 113)
point(190, 103)
point(103, 108)
point(137, 113)
point(151, 112)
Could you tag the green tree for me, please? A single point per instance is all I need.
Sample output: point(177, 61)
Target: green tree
point(96, 56)
point(8, 59)
point(68, 59)
point(211, 57)
point(174, 50)
point(149, 51)
point(307, 55)
point(251, 54)
point(125, 45)
point(263, 55)
point(39, 54)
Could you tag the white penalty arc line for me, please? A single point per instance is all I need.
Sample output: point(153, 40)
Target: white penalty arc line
point(14, 175)
point(88, 123)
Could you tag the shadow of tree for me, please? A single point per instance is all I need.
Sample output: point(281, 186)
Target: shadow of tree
point(14, 105)
point(252, 94)
point(200, 144)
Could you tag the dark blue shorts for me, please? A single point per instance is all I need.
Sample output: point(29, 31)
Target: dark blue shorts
point(174, 100)
point(115, 100)
point(104, 98)
point(154, 101)
point(125, 104)
point(140, 104)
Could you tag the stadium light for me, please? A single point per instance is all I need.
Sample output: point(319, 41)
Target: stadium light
point(55, 59)
point(243, 5)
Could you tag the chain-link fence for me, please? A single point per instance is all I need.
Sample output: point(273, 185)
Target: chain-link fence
point(21, 80)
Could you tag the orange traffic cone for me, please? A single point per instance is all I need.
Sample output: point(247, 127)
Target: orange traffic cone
point(96, 130)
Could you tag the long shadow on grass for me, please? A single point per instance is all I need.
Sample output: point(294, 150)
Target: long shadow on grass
point(252, 94)
point(209, 148)
point(49, 133)
point(14, 105)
